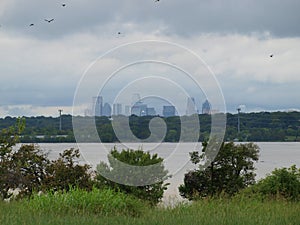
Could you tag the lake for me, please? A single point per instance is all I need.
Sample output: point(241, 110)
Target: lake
point(272, 155)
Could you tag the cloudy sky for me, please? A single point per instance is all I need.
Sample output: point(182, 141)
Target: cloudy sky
point(42, 65)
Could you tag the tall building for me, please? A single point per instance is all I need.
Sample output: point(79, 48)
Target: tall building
point(139, 109)
point(191, 107)
point(117, 109)
point(206, 107)
point(106, 109)
point(168, 110)
point(151, 111)
point(97, 105)
point(127, 110)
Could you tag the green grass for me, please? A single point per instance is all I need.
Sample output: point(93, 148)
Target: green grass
point(108, 207)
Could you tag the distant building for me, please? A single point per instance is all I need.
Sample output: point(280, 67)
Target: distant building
point(106, 109)
point(97, 105)
point(151, 111)
point(139, 109)
point(206, 107)
point(127, 110)
point(117, 109)
point(168, 110)
point(191, 107)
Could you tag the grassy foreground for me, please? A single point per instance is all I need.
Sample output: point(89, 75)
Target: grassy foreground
point(108, 207)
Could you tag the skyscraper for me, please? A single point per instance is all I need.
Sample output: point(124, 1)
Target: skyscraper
point(169, 110)
point(206, 107)
point(106, 109)
point(97, 105)
point(117, 109)
point(191, 107)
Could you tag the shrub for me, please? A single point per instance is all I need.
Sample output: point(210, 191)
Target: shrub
point(66, 172)
point(282, 183)
point(152, 192)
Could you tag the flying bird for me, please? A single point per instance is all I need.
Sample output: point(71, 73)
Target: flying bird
point(271, 55)
point(49, 21)
point(63, 5)
point(156, 0)
point(32, 24)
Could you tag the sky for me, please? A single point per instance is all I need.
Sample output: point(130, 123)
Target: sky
point(43, 66)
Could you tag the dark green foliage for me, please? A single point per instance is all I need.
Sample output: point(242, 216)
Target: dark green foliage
point(230, 171)
point(154, 175)
point(66, 172)
point(282, 183)
point(28, 169)
point(262, 126)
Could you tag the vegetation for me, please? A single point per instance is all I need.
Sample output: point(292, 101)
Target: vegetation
point(146, 182)
point(69, 196)
point(263, 126)
point(282, 183)
point(27, 168)
point(87, 209)
point(230, 171)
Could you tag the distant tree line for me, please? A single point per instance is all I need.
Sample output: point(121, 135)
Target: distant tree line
point(262, 126)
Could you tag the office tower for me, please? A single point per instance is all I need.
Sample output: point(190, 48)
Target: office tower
point(206, 107)
point(117, 109)
point(168, 110)
point(191, 107)
point(151, 111)
point(127, 110)
point(97, 105)
point(106, 109)
point(139, 109)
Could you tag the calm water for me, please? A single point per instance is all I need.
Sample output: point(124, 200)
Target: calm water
point(272, 155)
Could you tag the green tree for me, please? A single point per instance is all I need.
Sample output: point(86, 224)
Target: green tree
point(66, 172)
point(152, 192)
point(231, 170)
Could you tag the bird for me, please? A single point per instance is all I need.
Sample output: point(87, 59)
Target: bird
point(32, 24)
point(49, 21)
point(63, 5)
point(271, 55)
point(156, 1)
point(120, 34)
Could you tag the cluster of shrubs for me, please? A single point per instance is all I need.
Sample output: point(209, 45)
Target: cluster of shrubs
point(28, 170)
point(231, 173)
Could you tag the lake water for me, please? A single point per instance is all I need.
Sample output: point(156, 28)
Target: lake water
point(272, 155)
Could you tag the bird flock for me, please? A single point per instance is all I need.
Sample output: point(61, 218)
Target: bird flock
point(119, 33)
point(49, 20)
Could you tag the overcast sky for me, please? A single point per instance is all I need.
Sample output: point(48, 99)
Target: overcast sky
point(41, 65)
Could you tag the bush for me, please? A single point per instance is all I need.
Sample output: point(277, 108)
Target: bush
point(230, 171)
point(281, 183)
point(66, 172)
point(152, 192)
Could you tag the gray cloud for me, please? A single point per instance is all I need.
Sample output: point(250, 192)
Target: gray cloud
point(183, 18)
point(42, 65)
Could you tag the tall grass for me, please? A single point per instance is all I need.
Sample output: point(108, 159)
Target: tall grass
point(108, 207)
point(78, 201)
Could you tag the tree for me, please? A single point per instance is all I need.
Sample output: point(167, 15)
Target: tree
point(231, 170)
point(66, 172)
point(155, 176)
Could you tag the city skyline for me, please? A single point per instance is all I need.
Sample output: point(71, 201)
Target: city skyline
point(139, 108)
